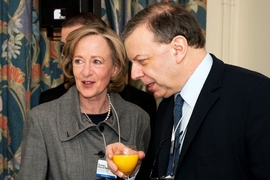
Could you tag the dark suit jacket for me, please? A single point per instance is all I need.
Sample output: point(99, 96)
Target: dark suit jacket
point(53, 93)
point(228, 134)
point(143, 99)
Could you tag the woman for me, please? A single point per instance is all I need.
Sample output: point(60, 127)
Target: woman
point(66, 138)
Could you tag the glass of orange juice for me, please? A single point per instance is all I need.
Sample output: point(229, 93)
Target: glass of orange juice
point(126, 159)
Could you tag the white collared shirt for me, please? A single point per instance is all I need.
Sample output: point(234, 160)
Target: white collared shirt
point(191, 90)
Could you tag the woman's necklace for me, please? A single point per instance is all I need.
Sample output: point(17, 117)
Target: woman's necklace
point(108, 114)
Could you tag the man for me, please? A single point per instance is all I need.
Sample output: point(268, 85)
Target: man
point(224, 129)
point(143, 99)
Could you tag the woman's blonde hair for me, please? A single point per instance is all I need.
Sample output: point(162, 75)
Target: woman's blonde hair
point(118, 53)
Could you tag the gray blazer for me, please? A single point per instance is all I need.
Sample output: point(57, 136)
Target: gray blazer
point(60, 143)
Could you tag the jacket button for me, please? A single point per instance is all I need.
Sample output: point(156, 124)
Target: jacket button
point(100, 154)
point(101, 128)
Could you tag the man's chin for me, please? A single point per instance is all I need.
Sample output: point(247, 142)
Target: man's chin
point(158, 95)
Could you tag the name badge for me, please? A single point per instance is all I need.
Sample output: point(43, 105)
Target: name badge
point(103, 170)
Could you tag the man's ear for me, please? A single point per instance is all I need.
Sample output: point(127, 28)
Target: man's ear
point(180, 46)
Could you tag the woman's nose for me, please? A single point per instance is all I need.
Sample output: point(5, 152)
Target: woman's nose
point(87, 69)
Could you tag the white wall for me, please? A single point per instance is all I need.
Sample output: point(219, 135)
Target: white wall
point(238, 32)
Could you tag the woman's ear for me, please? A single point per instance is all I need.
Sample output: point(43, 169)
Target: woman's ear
point(115, 71)
point(180, 46)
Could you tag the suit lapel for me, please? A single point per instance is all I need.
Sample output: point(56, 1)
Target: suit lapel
point(206, 99)
point(164, 124)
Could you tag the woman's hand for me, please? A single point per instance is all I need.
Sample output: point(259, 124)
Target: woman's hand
point(111, 149)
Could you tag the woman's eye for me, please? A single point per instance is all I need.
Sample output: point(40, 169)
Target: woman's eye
point(78, 61)
point(96, 61)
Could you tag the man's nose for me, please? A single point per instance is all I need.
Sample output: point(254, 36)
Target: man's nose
point(136, 71)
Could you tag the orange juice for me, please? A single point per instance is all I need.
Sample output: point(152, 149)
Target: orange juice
point(126, 163)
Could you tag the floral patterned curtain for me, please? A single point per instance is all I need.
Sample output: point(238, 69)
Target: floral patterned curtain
point(19, 54)
point(31, 63)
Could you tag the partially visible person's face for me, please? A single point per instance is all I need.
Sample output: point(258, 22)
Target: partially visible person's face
point(65, 32)
point(152, 63)
point(92, 66)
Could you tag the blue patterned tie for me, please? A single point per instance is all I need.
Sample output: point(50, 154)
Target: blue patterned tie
point(177, 112)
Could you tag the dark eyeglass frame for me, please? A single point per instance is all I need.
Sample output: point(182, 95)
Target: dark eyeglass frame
point(61, 48)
